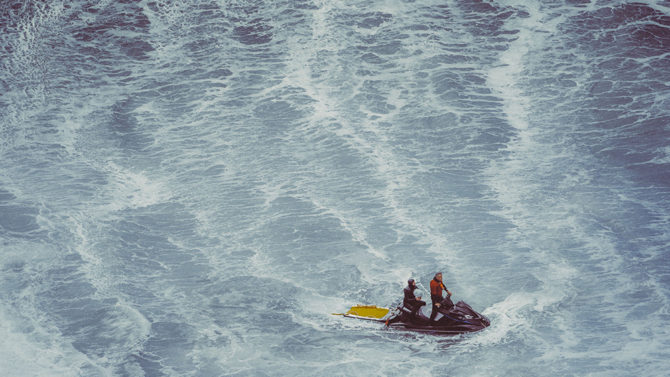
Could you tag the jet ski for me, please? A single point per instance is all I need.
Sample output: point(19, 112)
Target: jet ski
point(450, 320)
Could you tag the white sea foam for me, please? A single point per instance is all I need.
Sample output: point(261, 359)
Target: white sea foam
point(513, 188)
point(516, 181)
point(25, 90)
point(32, 345)
point(129, 189)
point(284, 214)
point(24, 354)
point(366, 138)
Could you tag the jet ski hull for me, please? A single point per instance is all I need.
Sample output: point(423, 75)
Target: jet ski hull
point(458, 319)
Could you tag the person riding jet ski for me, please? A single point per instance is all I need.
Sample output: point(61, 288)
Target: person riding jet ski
point(436, 288)
point(448, 318)
point(411, 304)
point(411, 301)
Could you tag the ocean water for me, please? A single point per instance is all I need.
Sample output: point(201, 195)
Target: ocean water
point(191, 188)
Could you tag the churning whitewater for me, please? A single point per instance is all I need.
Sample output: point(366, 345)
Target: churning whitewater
point(191, 188)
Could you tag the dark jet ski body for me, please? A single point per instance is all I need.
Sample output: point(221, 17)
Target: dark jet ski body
point(451, 320)
point(457, 319)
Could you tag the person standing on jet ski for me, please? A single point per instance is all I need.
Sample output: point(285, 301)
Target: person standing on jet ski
point(436, 288)
point(410, 301)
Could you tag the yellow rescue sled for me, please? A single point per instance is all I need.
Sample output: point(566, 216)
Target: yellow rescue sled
point(369, 312)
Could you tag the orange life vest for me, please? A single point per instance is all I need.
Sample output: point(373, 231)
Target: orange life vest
point(436, 288)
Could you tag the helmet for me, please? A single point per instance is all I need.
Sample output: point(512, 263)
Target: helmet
point(418, 293)
point(410, 282)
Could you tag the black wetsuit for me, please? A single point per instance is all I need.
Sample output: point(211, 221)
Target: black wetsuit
point(410, 301)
